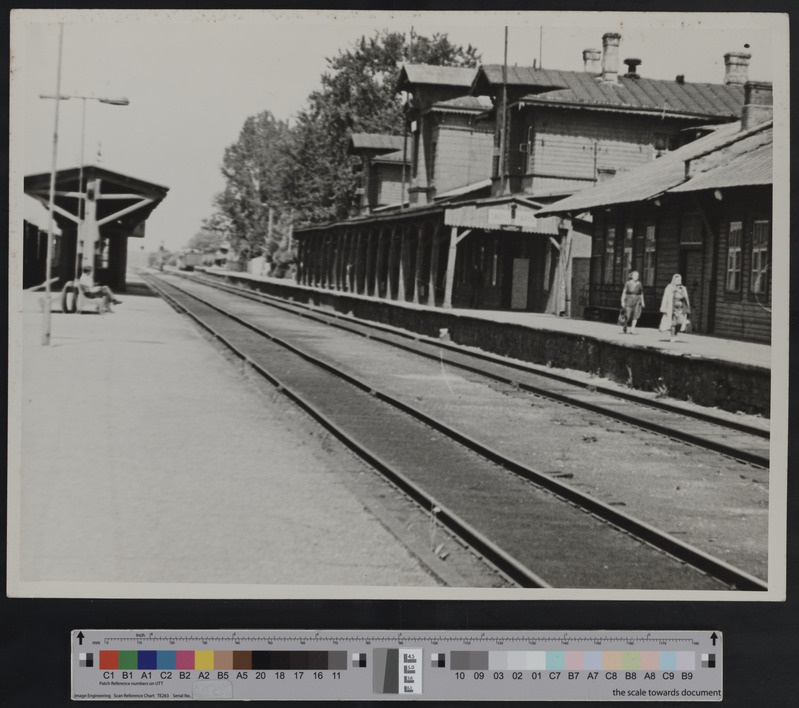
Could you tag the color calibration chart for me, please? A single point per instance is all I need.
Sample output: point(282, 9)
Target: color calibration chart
point(330, 665)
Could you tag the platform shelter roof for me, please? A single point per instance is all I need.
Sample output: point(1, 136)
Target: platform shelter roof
point(123, 202)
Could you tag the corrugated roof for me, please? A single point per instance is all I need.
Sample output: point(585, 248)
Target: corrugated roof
point(374, 141)
point(579, 88)
point(466, 189)
point(747, 169)
point(436, 75)
point(716, 151)
point(469, 104)
point(393, 157)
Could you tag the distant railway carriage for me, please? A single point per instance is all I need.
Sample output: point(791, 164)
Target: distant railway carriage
point(189, 260)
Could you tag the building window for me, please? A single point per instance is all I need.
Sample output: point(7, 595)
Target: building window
point(628, 251)
point(495, 262)
point(649, 256)
point(691, 231)
point(610, 247)
point(760, 239)
point(733, 282)
point(432, 168)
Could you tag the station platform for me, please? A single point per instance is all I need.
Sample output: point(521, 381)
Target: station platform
point(147, 458)
point(709, 371)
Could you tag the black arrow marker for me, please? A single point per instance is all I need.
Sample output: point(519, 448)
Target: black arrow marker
point(80, 638)
point(714, 637)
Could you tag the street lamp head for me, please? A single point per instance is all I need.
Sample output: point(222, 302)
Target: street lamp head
point(115, 101)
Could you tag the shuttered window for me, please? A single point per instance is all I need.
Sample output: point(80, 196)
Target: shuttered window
point(627, 266)
point(734, 237)
point(610, 246)
point(649, 256)
point(760, 242)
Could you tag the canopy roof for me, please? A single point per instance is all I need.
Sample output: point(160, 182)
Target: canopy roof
point(727, 157)
point(123, 202)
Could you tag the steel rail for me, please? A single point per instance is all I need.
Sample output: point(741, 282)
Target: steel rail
point(496, 556)
point(348, 324)
point(645, 532)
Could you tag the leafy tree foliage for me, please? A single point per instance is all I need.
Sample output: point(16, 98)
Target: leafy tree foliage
point(358, 94)
point(303, 172)
point(253, 168)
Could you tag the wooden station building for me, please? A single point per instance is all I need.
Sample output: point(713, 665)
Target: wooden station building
point(490, 149)
point(703, 211)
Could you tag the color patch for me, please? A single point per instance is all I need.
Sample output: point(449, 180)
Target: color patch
point(109, 660)
point(204, 660)
point(184, 660)
point(438, 661)
point(86, 660)
point(573, 660)
point(686, 660)
point(592, 660)
point(147, 660)
point(242, 660)
point(223, 660)
point(631, 660)
point(708, 661)
point(668, 660)
point(650, 660)
point(128, 660)
point(611, 660)
point(165, 659)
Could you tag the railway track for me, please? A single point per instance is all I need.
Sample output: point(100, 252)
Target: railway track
point(537, 530)
point(736, 439)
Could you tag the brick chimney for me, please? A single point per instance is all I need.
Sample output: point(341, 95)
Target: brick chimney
point(610, 56)
point(591, 59)
point(632, 68)
point(758, 104)
point(736, 67)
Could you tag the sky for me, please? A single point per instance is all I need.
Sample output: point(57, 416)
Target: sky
point(193, 77)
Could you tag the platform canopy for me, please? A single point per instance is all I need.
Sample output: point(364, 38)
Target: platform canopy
point(122, 203)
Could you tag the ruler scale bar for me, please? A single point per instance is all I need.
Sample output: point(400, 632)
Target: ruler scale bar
point(384, 665)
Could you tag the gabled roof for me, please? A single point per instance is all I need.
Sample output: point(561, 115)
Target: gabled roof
point(374, 142)
point(587, 90)
point(430, 74)
point(711, 156)
point(463, 104)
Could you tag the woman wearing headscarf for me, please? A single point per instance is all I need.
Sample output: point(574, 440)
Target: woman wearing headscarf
point(632, 301)
point(675, 306)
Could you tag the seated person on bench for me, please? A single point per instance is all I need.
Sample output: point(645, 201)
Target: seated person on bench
point(92, 290)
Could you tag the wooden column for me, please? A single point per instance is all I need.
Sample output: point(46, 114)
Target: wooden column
point(403, 264)
point(454, 240)
point(435, 241)
point(369, 269)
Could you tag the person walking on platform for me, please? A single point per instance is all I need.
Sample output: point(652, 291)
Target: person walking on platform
point(476, 281)
point(632, 301)
point(92, 290)
point(675, 306)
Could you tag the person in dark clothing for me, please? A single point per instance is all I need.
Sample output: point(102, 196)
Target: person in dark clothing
point(476, 282)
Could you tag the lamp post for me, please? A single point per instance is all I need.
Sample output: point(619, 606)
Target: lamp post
point(66, 97)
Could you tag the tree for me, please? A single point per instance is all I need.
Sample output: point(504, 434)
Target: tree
point(205, 240)
point(253, 168)
point(358, 94)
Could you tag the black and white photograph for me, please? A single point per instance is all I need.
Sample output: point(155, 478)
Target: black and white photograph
point(419, 305)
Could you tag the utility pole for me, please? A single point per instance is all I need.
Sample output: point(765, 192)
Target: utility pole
point(502, 136)
point(48, 305)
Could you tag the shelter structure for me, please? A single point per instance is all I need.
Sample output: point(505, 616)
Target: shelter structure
point(97, 211)
point(704, 211)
